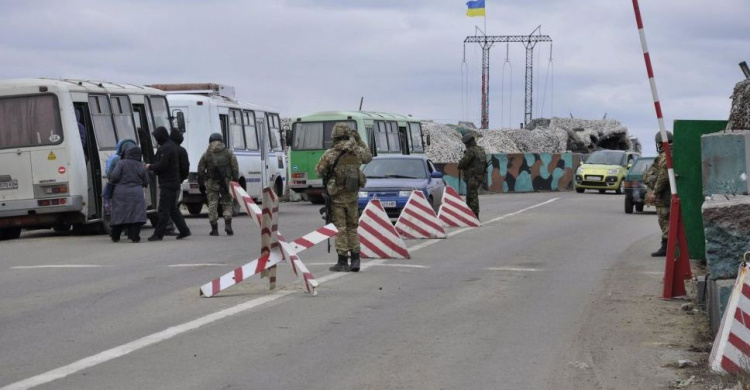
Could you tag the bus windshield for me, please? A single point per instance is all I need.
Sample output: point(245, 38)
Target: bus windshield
point(29, 121)
point(160, 111)
point(315, 135)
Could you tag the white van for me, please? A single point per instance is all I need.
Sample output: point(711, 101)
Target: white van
point(52, 163)
point(250, 131)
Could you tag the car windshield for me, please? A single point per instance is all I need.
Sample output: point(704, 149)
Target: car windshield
point(641, 166)
point(397, 168)
point(606, 158)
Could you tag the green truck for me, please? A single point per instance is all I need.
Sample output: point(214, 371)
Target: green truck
point(384, 133)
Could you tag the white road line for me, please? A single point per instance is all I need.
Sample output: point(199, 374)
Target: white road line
point(514, 269)
point(174, 331)
point(402, 265)
point(198, 265)
point(653, 273)
point(60, 266)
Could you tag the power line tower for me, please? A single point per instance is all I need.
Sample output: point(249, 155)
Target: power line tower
point(486, 42)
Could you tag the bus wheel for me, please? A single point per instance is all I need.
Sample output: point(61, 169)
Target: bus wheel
point(278, 188)
point(316, 199)
point(61, 228)
point(10, 233)
point(194, 208)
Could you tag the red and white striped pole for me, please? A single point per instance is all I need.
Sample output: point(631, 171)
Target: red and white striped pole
point(677, 263)
point(655, 94)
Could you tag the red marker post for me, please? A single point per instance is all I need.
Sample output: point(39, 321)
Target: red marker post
point(677, 266)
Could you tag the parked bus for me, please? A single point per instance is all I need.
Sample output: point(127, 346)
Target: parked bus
point(252, 132)
point(52, 164)
point(311, 135)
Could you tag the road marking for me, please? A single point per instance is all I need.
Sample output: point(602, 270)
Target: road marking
point(402, 265)
point(198, 265)
point(60, 266)
point(653, 273)
point(174, 331)
point(496, 219)
point(514, 269)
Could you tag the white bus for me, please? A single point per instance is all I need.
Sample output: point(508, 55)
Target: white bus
point(250, 131)
point(51, 176)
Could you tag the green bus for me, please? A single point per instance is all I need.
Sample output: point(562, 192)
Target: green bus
point(310, 136)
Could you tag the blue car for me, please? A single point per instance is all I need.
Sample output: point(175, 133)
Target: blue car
point(392, 178)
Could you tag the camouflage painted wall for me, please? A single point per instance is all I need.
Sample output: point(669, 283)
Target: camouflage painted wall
point(522, 172)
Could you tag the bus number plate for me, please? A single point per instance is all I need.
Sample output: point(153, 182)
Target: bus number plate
point(9, 185)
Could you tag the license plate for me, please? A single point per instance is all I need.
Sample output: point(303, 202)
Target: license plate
point(594, 178)
point(9, 185)
point(389, 203)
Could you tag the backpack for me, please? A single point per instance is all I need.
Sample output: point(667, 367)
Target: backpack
point(220, 165)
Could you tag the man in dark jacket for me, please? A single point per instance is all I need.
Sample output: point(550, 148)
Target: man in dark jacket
point(167, 168)
point(184, 163)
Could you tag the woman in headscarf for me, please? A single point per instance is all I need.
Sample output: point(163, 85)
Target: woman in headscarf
point(128, 200)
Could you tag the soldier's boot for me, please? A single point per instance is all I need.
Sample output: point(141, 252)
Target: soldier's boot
point(341, 266)
point(661, 252)
point(228, 226)
point(355, 262)
point(214, 229)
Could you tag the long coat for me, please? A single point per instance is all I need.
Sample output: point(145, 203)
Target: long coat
point(129, 177)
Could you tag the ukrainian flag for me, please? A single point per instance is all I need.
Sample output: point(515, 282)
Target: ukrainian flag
point(476, 8)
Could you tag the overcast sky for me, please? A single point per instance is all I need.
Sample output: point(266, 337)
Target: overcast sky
point(404, 56)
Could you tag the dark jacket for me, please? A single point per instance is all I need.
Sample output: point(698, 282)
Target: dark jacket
point(167, 165)
point(128, 200)
point(184, 164)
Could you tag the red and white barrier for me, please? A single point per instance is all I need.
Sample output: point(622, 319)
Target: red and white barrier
point(274, 248)
point(454, 212)
point(731, 350)
point(378, 238)
point(418, 219)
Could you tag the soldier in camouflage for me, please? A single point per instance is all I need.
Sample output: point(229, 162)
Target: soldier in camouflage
point(339, 168)
point(656, 179)
point(217, 167)
point(474, 167)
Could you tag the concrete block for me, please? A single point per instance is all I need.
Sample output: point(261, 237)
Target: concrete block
point(726, 224)
point(718, 297)
point(726, 162)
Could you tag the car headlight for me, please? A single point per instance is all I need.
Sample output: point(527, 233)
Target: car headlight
point(579, 170)
point(404, 193)
point(362, 194)
point(613, 171)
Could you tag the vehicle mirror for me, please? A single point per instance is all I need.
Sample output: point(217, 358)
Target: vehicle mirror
point(437, 175)
point(428, 140)
point(181, 121)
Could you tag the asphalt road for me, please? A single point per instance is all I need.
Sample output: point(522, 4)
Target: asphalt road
point(490, 308)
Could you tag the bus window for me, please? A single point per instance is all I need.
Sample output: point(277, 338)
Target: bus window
point(235, 129)
point(122, 113)
point(307, 136)
point(251, 134)
point(30, 121)
point(381, 136)
point(159, 111)
point(394, 143)
point(102, 119)
point(273, 131)
point(415, 138)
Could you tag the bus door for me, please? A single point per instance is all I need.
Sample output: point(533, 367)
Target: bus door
point(224, 120)
point(94, 165)
point(147, 147)
point(260, 124)
point(403, 137)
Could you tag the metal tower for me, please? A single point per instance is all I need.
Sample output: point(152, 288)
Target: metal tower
point(486, 42)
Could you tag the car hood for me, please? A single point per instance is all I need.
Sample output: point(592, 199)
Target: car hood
point(395, 183)
point(599, 168)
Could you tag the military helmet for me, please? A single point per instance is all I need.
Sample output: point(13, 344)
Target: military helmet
point(467, 138)
point(340, 130)
point(215, 137)
point(658, 137)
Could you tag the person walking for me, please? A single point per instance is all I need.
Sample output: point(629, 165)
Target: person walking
point(474, 168)
point(129, 177)
point(184, 164)
point(339, 168)
point(110, 165)
point(216, 168)
point(167, 168)
point(656, 179)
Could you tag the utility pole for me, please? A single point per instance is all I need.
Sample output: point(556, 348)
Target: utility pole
point(486, 42)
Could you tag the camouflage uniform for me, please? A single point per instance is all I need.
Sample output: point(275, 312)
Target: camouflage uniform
point(656, 179)
point(474, 167)
point(344, 211)
point(216, 179)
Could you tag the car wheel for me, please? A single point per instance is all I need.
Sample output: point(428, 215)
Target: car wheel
point(620, 189)
point(10, 233)
point(628, 205)
point(639, 207)
point(580, 190)
point(602, 191)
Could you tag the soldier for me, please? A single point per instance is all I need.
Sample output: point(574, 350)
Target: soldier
point(339, 168)
point(473, 165)
point(217, 167)
point(656, 179)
